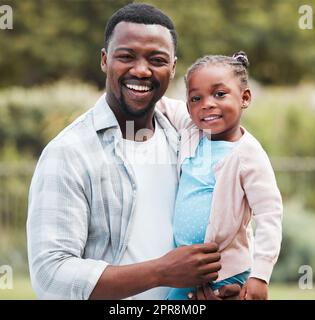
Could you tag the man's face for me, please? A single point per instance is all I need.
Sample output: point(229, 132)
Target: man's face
point(139, 64)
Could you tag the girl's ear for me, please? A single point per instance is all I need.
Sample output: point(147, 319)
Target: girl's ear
point(104, 60)
point(246, 98)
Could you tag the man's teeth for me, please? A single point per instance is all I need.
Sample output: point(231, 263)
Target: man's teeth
point(138, 88)
point(211, 118)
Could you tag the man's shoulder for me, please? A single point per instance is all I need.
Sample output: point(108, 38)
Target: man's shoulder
point(76, 130)
point(78, 139)
point(84, 127)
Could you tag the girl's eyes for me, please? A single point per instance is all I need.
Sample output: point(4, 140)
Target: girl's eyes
point(195, 99)
point(219, 94)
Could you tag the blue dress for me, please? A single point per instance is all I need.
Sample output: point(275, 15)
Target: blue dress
point(193, 204)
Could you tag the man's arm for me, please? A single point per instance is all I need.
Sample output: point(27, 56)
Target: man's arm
point(57, 231)
point(182, 267)
point(57, 228)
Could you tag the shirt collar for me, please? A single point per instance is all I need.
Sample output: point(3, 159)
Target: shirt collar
point(103, 116)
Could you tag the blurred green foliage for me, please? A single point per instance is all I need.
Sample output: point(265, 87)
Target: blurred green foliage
point(29, 118)
point(61, 39)
point(298, 244)
point(283, 119)
point(52, 39)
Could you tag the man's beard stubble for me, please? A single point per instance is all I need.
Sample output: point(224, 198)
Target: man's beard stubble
point(125, 108)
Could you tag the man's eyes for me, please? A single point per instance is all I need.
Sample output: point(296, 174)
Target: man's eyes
point(124, 57)
point(158, 61)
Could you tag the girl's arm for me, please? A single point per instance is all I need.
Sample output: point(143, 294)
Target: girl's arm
point(264, 198)
point(175, 111)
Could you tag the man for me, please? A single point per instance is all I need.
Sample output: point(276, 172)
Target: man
point(100, 223)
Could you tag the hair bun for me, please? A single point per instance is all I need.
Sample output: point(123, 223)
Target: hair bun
point(242, 58)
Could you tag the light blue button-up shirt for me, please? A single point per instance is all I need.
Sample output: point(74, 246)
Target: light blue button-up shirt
point(81, 204)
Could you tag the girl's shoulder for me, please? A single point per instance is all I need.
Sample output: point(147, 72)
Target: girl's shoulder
point(250, 150)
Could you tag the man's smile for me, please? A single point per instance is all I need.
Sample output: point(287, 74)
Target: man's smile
point(136, 88)
point(138, 85)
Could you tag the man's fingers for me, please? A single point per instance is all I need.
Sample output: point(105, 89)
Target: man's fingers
point(211, 267)
point(212, 257)
point(212, 276)
point(207, 247)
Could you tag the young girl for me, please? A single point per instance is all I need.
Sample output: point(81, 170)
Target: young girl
point(225, 178)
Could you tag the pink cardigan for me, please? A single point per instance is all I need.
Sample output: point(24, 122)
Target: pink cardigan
point(245, 187)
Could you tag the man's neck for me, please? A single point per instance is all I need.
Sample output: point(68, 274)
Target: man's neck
point(135, 128)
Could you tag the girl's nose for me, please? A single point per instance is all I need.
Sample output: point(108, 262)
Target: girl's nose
point(208, 103)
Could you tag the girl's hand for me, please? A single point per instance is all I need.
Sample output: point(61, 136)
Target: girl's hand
point(254, 289)
point(226, 292)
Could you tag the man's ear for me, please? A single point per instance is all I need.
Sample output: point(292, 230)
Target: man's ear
point(246, 98)
point(173, 68)
point(104, 60)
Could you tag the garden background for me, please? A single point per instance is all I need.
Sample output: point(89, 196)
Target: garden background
point(49, 74)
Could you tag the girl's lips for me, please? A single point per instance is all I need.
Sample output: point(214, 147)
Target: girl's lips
point(211, 118)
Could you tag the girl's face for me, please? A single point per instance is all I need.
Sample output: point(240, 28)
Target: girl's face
point(215, 101)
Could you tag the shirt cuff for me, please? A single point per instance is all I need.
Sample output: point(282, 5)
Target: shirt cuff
point(86, 278)
point(262, 269)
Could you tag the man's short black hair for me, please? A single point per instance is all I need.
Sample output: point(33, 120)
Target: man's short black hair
point(139, 13)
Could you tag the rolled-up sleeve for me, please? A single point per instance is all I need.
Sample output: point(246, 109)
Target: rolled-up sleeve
point(57, 227)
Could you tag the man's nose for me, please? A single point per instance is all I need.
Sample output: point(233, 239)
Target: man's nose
point(141, 69)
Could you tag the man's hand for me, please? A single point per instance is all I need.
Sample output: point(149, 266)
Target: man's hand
point(227, 292)
point(254, 289)
point(183, 267)
point(189, 266)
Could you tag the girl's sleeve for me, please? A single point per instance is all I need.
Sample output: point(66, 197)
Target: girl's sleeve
point(175, 111)
point(264, 199)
